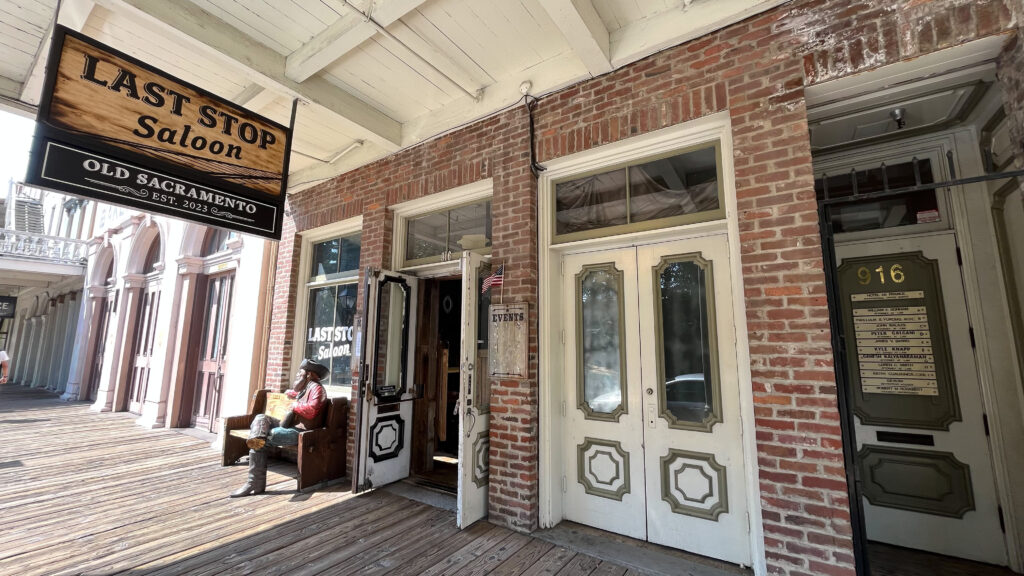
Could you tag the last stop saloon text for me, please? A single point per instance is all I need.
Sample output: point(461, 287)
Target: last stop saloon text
point(156, 95)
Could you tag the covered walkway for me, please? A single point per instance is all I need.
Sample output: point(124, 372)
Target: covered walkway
point(89, 493)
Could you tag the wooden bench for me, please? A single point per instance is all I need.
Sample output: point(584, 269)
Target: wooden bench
point(320, 454)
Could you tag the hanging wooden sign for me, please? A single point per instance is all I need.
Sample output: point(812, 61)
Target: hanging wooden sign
point(115, 129)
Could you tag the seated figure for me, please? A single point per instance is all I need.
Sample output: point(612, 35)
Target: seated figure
point(305, 414)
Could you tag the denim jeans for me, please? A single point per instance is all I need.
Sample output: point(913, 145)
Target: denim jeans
point(277, 435)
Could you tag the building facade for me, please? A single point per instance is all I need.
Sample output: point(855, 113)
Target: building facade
point(703, 237)
point(172, 330)
point(164, 319)
point(43, 256)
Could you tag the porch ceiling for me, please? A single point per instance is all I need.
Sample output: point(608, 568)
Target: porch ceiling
point(373, 76)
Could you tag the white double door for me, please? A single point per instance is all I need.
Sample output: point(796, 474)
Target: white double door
point(652, 443)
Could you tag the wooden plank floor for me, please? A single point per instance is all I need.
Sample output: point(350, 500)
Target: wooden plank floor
point(88, 493)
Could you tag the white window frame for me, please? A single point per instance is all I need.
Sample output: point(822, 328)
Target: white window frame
point(452, 198)
point(309, 238)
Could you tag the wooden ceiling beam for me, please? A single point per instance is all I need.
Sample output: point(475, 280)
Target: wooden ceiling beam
point(585, 32)
point(201, 30)
point(346, 33)
point(254, 97)
point(73, 14)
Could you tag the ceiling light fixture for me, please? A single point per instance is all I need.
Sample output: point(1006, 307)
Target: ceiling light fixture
point(897, 115)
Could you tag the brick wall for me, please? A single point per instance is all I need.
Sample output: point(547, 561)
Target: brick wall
point(757, 70)
point(1010, 72)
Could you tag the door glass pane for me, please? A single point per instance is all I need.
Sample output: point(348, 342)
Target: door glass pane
point(591, 202)
point(601, 358)
point(481, 378)
point(675, 186)
point(392, 335)
point(687, 370)
point(427, 236)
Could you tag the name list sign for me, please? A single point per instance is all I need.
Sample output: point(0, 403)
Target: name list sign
point(899, 362)
point(894, 345)
point(508, 338)
point(112, 128)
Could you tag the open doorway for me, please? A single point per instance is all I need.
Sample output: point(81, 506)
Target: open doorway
point(435, 449)
point(424, 416)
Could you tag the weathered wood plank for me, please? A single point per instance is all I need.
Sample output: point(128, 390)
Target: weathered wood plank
point(519, 562)
point(105, 496)
point(551, 562)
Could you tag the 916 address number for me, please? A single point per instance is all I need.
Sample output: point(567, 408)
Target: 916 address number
point(896, 274)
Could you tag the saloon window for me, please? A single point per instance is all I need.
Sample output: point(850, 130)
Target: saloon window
point(440, 236)
point(680, 188)
point(332, 285)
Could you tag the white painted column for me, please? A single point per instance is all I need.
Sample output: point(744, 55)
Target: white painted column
point(57, 344)
point(18, 360)
point(117, 340)
point(70, 333)
point(84, 342)
point(40, 349)
point(189, 268)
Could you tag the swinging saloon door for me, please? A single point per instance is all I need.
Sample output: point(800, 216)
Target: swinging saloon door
point(474, 401)
point(387, 389)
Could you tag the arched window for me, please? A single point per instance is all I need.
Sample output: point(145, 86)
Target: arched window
point(152, 257)
point(216, 241)
point(108, 276)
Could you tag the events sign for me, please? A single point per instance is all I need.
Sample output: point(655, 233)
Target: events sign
point(115, 129)
point(7, 306)
point(508, 340)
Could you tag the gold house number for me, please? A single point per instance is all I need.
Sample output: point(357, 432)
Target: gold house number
point(895, 274)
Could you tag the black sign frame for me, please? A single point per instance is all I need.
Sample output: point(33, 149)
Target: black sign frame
point(8, 304)
point(266, 221)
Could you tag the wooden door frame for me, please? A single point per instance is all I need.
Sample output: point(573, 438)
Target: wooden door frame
point(183, 417)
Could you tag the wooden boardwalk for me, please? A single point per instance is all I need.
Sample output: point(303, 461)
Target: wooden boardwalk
point(88, 493)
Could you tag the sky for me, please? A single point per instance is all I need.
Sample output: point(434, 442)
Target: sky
point(15, 139)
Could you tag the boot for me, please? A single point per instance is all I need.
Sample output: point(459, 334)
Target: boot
point(257, 480)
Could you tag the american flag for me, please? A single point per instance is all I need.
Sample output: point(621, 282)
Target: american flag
point(494, 279)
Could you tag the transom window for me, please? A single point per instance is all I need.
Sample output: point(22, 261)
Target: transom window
point(332, 285)
point(680, 188)
point(437, 236)
point(921, 207)
point(335, 259)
